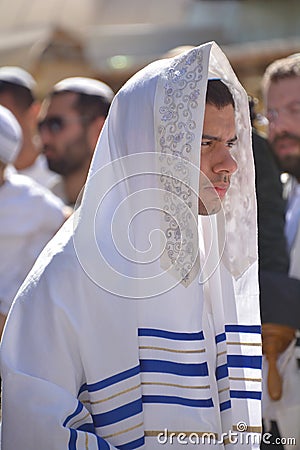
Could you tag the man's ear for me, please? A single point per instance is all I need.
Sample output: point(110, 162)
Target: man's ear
point(32, 114)
point(2, 170)
point(93, 131)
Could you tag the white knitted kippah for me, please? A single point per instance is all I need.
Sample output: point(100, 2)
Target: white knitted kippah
point(18, 76)
point(83, 85)
point(10, 136)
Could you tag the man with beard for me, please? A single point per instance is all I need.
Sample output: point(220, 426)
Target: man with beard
point(71, 119)
point(281, 91)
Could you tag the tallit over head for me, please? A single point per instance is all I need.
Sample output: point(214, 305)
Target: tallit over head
point(10, 136)
point(138, 234)
point(142, 189)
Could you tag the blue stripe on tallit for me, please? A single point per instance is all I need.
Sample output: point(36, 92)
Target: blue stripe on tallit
point(118, 414)
point(220, 338)
point(110, 380)
point(243, 329)
point(133, 444)
point(102, 444)
point(222, 372)
point(253, 362)
point(225, 405)
point(159, 366)
point(75, 413)
point(150, 332)
point(73, 439)
point(256, 395)
point(88, 427)
point(173, 400)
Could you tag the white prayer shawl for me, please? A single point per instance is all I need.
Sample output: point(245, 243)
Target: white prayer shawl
point(29, 217)
point(39, 172)
point(125, 355)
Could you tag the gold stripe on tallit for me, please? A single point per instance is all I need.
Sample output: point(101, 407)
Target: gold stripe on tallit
point(123, 431)
point(146, 347)
point(248, 429)
point(149, 383)
point(115, 395)
point(245, 379)
point(252, 344)
point(80, 420)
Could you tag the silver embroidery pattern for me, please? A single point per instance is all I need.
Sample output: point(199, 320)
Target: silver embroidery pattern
point(176, 137)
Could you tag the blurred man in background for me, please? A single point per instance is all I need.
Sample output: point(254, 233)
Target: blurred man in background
point(72, 116)
point(281, 91)
point(17, 93)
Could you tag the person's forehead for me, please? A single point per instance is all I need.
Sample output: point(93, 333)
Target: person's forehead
point(62, 102)
point(7, 100)
point(214, 117)
point(283, 91)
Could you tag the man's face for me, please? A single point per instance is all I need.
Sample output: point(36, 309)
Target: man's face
point(64, 135)
point(283, 113)
point(217, 164)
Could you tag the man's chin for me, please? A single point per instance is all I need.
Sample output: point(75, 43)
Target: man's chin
point(290, 164)
point(209, 209)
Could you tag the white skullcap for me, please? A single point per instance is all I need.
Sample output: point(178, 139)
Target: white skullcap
point(10, 136)
point(18, 76)
point(83, 85)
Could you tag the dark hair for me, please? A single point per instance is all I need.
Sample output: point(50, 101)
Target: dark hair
point(218, 94)
point(22, 96)
point(88, 106)
point(280, 69)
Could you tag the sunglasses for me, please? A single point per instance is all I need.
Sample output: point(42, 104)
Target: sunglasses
point(55, 124)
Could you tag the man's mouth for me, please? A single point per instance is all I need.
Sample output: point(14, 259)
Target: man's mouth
point(49, 153)
point(286, 146)
point(221, 190)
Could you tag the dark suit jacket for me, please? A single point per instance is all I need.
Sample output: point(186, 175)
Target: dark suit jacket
point(279, 294)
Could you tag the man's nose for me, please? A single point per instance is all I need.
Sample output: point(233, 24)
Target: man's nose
point(278, 124)
point(45, 135)
point(225, 162)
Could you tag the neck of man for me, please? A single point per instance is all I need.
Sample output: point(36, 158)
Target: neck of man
point(2, 173)
point(28, 154)
point(73, 184)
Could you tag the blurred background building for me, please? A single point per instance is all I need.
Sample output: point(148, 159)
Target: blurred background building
point(112, 39)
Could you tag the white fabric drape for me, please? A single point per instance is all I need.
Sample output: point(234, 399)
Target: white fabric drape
point(29, 217)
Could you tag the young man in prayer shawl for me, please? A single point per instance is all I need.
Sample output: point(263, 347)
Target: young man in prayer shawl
point(144, 310)
point(30, 215)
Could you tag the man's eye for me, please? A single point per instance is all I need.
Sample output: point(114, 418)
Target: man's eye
point(231, 144)
point(206, 143)
point(294, 109)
